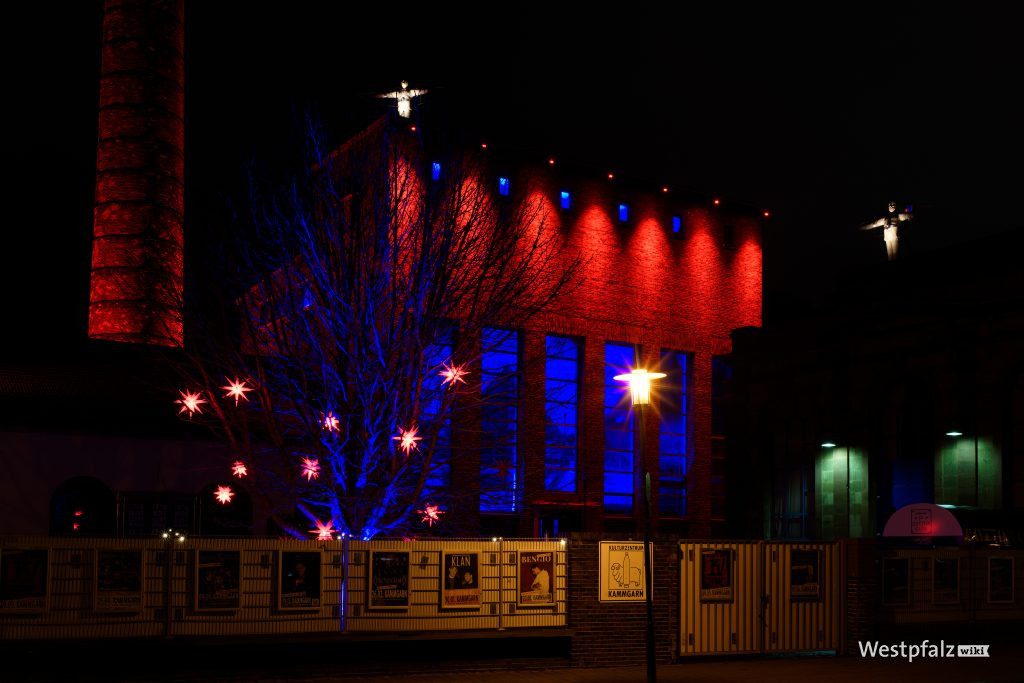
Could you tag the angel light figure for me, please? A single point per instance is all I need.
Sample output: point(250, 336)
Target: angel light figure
point(890, 223)
point(403, 98)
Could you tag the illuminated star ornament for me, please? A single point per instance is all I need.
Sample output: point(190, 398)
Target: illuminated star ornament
point(238, 469)
point(452, 374)
point(890, 222)
point(224, 494)
point(324, 532)
point(431, 513)
point(190, 402)
point(330, 422)
point(310, 468)
point(407, 439)
point(504, 468)
point(236, 389)
point(403, 98)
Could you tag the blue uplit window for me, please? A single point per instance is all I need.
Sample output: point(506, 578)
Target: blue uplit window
point(565, 199)
point(561, 412)
point(499, 466)
point(623, 212)
point(677, 224)
point(619, 451)
point(673, 408)
point(435, 170)
point(439, 478)
point(503, 185)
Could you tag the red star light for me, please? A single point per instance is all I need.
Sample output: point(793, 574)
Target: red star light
point(324, 532)
point(236, 389)
point(238, 469)
point(431, 513)
point(407, 439)
point(224, 494)
point(453, 374)
point(310, 468)
point(190, 402)
point(504, 468)
point(330, 422)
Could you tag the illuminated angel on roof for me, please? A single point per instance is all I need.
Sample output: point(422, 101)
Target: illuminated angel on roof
point(403, 98)
point(890, 222)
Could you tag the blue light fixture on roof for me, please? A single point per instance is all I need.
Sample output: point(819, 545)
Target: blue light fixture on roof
point(677, 224)
point(565, 200)
point(435, 170)
point(503, 186)
point(623, 212)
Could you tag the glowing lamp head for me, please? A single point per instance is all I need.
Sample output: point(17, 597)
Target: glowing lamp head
point(717, 202)
point(611, 176)
point(954, 433)
point(551, 161)
point(828, 444)
point(639, 384)
point(664, 189)
point(766, 214)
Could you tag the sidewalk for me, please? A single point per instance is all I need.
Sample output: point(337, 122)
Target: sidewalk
point(277, 661)
point(1005, 665)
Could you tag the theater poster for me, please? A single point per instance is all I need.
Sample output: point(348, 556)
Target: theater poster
point(23, 580)
point(536, 572)
point(118, 581)
point(389, 579)
point(622, 575)
point(716, 575)
point(298, 580)
point(804, 582)
point(217, 580)
point(460, 580)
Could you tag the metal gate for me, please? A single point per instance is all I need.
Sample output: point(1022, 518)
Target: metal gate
point(759, 596)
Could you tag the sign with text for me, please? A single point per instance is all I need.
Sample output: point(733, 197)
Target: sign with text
point(716, 575)
point(622, 572)
point(536, 576)
point(23, 580)
point(389, 579)
point(118, 581)
point(460, 580)
point(298, 580)
point(803, 575)
point(217, 578)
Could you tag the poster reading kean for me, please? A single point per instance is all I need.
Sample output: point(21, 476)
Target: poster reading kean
point(622, 572)
point(460, 584)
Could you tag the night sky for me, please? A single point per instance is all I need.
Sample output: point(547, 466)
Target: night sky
point(820, 116)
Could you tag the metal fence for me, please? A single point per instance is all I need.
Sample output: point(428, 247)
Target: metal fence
point(952, 585)
point(53, 588)
point(748, 597)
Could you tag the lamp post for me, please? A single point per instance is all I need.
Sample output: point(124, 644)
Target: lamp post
point(170, 538)
point(640, 394)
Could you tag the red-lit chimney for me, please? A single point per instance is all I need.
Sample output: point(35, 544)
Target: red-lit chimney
point(138, 239)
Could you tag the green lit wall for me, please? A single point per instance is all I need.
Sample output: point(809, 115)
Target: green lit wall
point(841, 493)
point(955, 482)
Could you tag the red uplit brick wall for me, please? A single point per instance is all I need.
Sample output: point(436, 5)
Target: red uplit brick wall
point(644, 285)
point(138, 239)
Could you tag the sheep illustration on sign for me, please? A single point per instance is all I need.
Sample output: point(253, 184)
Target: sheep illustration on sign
point(622, 572)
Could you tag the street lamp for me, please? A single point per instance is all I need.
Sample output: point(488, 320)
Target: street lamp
point(640, 394)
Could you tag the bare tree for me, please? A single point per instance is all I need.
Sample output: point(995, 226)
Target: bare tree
point(370, 284)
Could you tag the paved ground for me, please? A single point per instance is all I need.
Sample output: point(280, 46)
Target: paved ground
point(155, 661)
